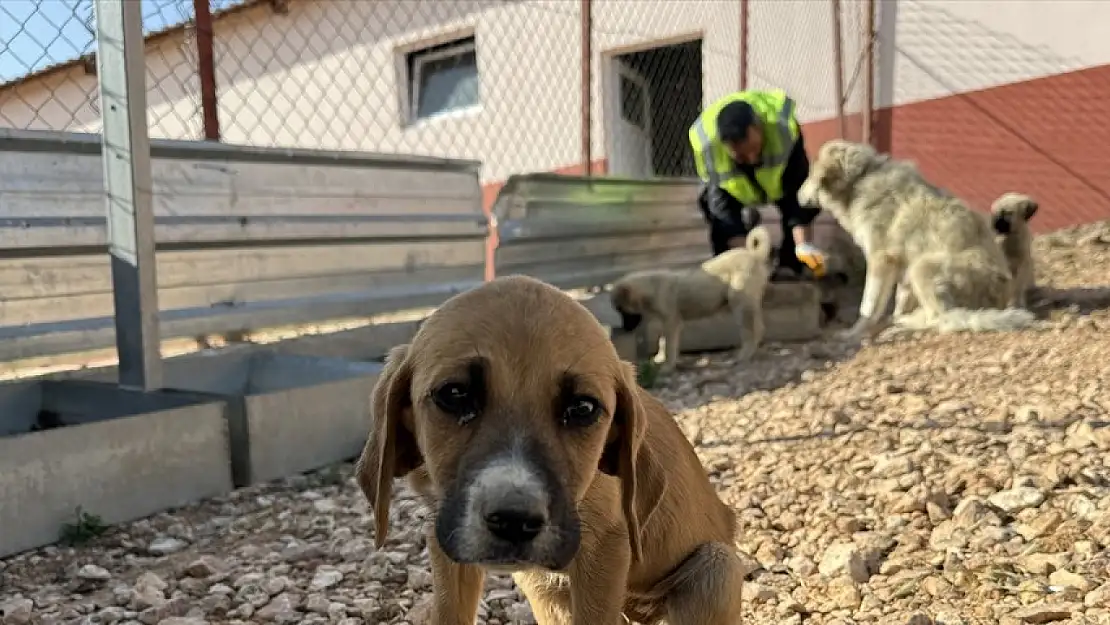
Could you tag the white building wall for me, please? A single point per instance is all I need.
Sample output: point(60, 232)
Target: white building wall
point(68, 99)
point(942, 48)
point(326, 74)
point(791, 47)
point(621, 26)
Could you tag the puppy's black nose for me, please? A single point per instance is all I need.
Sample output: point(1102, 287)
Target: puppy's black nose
point(515, 524)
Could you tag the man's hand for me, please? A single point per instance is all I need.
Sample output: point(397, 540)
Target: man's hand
point(812, 257)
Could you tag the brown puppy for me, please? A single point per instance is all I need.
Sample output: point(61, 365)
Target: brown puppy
point(1010, 215)
point(539, 454)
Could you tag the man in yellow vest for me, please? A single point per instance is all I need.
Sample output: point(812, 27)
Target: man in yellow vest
point(749, 152)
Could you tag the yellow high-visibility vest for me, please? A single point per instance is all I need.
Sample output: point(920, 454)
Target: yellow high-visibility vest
point(775, 111)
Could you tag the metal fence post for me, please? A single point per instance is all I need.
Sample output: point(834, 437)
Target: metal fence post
point(121, 72)
point(743, 44)
point(868, 71)
point(206, 70)
point(587, 87)
point(838, 77)
point(886, 50)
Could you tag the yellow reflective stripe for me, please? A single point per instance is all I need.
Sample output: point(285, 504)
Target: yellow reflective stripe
point(786, 140)
point(786, 137)
point(711, 173)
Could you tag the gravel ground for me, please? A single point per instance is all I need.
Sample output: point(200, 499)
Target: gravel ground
point(927, 479)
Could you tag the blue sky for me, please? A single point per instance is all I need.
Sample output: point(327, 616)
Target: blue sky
point(37, 33)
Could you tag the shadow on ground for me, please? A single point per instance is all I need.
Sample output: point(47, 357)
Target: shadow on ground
point(709, 377)
point(1081, 300)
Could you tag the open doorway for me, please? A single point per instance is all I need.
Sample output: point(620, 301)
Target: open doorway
point(653, 95)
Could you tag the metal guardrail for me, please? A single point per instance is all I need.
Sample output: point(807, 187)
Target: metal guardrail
point(578, 232)
point(248, 238)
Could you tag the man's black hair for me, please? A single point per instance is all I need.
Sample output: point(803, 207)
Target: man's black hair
point(734, 120)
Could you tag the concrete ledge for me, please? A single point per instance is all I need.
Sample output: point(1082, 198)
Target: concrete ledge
point(118, 454)
point(286, 413)
point(366, 343)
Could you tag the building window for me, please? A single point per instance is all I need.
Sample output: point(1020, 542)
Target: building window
point(443, 79)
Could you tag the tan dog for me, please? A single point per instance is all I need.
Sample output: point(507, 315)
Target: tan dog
point(941, 255)
point(734, 280)
point(511, 413)
point(1011, 213)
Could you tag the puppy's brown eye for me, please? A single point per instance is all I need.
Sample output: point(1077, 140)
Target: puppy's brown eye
point(458, 400)
point(581, 411)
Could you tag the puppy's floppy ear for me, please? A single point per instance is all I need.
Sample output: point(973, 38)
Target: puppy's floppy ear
point(623, 458)
point(1029, 208)
point(390, 451)
point(624, 295)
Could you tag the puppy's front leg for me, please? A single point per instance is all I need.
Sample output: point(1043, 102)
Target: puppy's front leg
point(749, 316)
point(710, 591)
point(672, 330)
point(1022, 284)
point(550, 599)
point(878, 288)
point(905, 302)
point(598, 584)
point(457, 588)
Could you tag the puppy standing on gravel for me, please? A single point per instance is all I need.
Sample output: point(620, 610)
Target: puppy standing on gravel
point(1010, 215)
point(513, 415)
point(941, 255)
point(734, 280)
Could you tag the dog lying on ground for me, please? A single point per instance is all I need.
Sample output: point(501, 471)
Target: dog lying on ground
point(1010, 216)
point(539, 454)
point(734, 280)
point(949, 271)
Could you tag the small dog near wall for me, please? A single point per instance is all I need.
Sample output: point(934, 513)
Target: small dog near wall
point(949, 270)
point(734, 280)
point(1010, 215)
point(538, 453)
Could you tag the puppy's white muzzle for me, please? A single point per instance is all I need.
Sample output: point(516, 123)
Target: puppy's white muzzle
point(508, 501)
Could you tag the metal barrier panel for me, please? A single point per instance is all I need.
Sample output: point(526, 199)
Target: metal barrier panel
point(248, 238)
point(577, 232)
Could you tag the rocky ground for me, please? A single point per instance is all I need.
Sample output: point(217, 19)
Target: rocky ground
point(928, 479)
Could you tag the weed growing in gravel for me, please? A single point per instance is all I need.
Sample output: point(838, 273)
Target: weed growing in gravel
point(647, 373)
point(84, 528)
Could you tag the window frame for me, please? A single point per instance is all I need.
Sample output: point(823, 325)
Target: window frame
point(417, 60)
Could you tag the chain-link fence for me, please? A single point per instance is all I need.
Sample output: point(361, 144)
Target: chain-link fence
point(48, 65)
point(500, 81)
point(470, 79)
point(562, 85)
point(989, 100)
